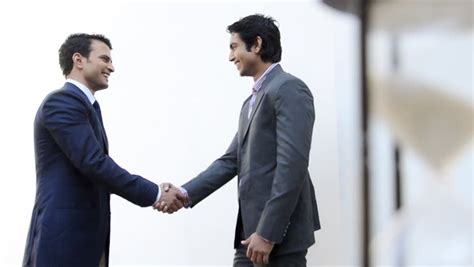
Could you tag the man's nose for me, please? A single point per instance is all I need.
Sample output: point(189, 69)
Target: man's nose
point(110, 67)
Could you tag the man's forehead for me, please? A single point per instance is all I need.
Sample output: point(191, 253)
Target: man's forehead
point(235, 37)
point(100, 46)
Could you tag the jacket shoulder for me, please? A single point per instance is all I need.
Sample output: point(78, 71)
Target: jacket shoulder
point(284, 83)
point(65, 96)
point(62, 101)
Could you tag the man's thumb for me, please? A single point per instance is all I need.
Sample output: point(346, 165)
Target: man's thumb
point(166, 187)
point(245, 242)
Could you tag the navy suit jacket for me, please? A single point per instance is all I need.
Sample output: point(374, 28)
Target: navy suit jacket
point(70, 224)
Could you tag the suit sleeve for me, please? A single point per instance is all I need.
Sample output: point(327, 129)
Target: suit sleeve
point(66, 118)
point(215, 176)
point(294, 112)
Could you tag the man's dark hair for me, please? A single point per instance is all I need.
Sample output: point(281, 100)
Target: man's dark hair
point(77, 43)
point(252, 26)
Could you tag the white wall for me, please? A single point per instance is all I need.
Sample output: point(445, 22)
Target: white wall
point(171, 109)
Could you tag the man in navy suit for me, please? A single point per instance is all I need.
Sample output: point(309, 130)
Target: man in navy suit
point(70, 224)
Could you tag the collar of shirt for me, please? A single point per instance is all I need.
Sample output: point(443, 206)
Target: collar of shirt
point(259, 82)
point(84, 89)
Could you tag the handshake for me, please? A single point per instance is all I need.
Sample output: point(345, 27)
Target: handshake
point(171, 200)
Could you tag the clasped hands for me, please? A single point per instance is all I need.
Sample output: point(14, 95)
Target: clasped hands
point(171, 199)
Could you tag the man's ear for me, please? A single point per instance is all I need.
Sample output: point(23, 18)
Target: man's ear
point(257, 47)
point(77, 60)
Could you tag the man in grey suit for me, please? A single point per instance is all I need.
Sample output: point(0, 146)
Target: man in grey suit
point(277, 207)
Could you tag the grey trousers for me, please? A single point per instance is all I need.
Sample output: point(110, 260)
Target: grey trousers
point(297, 259)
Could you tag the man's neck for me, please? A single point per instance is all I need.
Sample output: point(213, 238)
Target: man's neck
point(261, 70)
point(81, 80)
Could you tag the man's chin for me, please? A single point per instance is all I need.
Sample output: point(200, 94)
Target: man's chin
point(102, 87)
point(243, 73)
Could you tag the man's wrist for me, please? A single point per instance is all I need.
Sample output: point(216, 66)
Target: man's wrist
point(185, 193)
point(158, 196)
point(266, 240)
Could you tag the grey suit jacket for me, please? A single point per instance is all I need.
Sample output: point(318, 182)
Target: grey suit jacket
point(270, 154)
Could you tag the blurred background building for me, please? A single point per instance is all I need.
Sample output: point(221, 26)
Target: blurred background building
point(415, 107)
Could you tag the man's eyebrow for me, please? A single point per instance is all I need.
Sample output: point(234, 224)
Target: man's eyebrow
point(105, 57)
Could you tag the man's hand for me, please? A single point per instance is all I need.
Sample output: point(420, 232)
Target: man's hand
point(258, 249)
point(171, 199)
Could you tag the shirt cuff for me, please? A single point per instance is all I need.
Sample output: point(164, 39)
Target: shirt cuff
point(185, 193)
point(158, 196)
point(268, 241)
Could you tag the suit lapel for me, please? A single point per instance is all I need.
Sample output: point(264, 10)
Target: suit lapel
point(243, 120)
point(243, 129)
point(102, 132)
point(259, 98)
point(101, 135)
